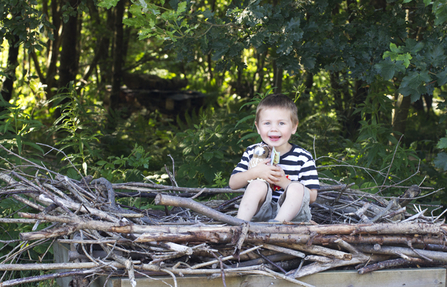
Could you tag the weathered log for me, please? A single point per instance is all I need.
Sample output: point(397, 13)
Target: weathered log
point(277, 233)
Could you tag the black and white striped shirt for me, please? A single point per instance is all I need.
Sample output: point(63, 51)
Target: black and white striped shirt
point(297, 164)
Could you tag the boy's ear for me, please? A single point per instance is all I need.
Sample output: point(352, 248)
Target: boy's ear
point(257, 129)
point(295, 128)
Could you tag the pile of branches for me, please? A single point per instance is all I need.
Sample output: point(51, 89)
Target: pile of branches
point(350, 229)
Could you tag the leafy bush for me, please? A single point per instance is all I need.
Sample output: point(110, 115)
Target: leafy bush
point(208, 146)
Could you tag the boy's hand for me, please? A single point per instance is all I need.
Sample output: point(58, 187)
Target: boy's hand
point(282, 181)
point(269, 173)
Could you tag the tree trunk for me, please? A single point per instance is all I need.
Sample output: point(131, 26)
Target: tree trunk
point(69, 54)
point(8, 83)
point(260, 71)
point(353, 120)
point(117, 55)
point(53, 48)
point(400, 114)
point(277, 78)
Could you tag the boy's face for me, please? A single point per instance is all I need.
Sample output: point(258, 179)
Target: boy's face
point(275, 128)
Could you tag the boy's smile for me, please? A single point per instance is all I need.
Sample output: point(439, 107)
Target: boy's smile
point(275, 128)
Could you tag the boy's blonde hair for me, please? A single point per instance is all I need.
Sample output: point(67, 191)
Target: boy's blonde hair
point(278, 101)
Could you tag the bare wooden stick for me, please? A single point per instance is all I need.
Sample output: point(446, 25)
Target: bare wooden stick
point(434, 255)
point(32, 279)
point(382, 239)
point(287, 278)
point(150, 187)
point(390, 264)
point(277, 257)
point(55, 266)
point(349, 247)
point(317, 258)
point(197, 207)
point(284, 250)
point(320, 250)
point(225, 258)
point(319, 267)
point(18, 220)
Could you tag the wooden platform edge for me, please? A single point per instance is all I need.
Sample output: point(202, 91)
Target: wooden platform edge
point(427, 277)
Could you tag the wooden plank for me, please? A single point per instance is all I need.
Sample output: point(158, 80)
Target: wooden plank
point(416, 277)
point(427, 277)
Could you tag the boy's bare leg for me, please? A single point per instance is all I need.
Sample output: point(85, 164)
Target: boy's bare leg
point(252, 200)
point(292, 203)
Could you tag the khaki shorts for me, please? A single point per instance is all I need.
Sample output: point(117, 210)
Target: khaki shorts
point(269, 208)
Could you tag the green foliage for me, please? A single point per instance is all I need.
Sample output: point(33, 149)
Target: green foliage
point(22, 19)
point(441, 159)
point(16, 127)
point(343, 49)
point(207, 145)
point(219, 181)
point(376, 158)
point(78, 127)
point(154, 20)
point(123, 168)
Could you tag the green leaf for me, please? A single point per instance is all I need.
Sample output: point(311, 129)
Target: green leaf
point(182, 7)
point(308, 62)
point(413, 84)
point(244, 119)
point(249, 135)
point(19, 143)
point(442, 143)
point(108, 3)
point(208, 155)
point(441, 161)
point(386, 69)
point(436, 55)
point(413, 46)
point(442, 78)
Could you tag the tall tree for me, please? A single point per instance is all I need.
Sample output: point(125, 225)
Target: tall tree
point(20, 21)
point(69, 55)
point(118, 54)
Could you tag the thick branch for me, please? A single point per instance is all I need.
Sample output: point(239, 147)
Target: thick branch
point(163, 199)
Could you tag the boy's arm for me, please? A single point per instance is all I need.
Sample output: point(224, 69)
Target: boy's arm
point(240, 179)
point(313, 195)
point(269, 173)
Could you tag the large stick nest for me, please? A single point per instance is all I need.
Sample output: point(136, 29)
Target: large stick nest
point(350, 228)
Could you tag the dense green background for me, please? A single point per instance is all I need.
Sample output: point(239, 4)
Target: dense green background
point(369, 78)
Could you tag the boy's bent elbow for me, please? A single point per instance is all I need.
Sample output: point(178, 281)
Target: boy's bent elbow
point(231, 183)
point(234, 182)
point(313, 195)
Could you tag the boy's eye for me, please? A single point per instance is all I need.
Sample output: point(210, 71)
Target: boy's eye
point(282, 123)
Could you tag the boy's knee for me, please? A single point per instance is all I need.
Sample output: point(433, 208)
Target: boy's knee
point(257, 186)
point(295, 188)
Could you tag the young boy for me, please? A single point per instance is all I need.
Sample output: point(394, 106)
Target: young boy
point(294, 179)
